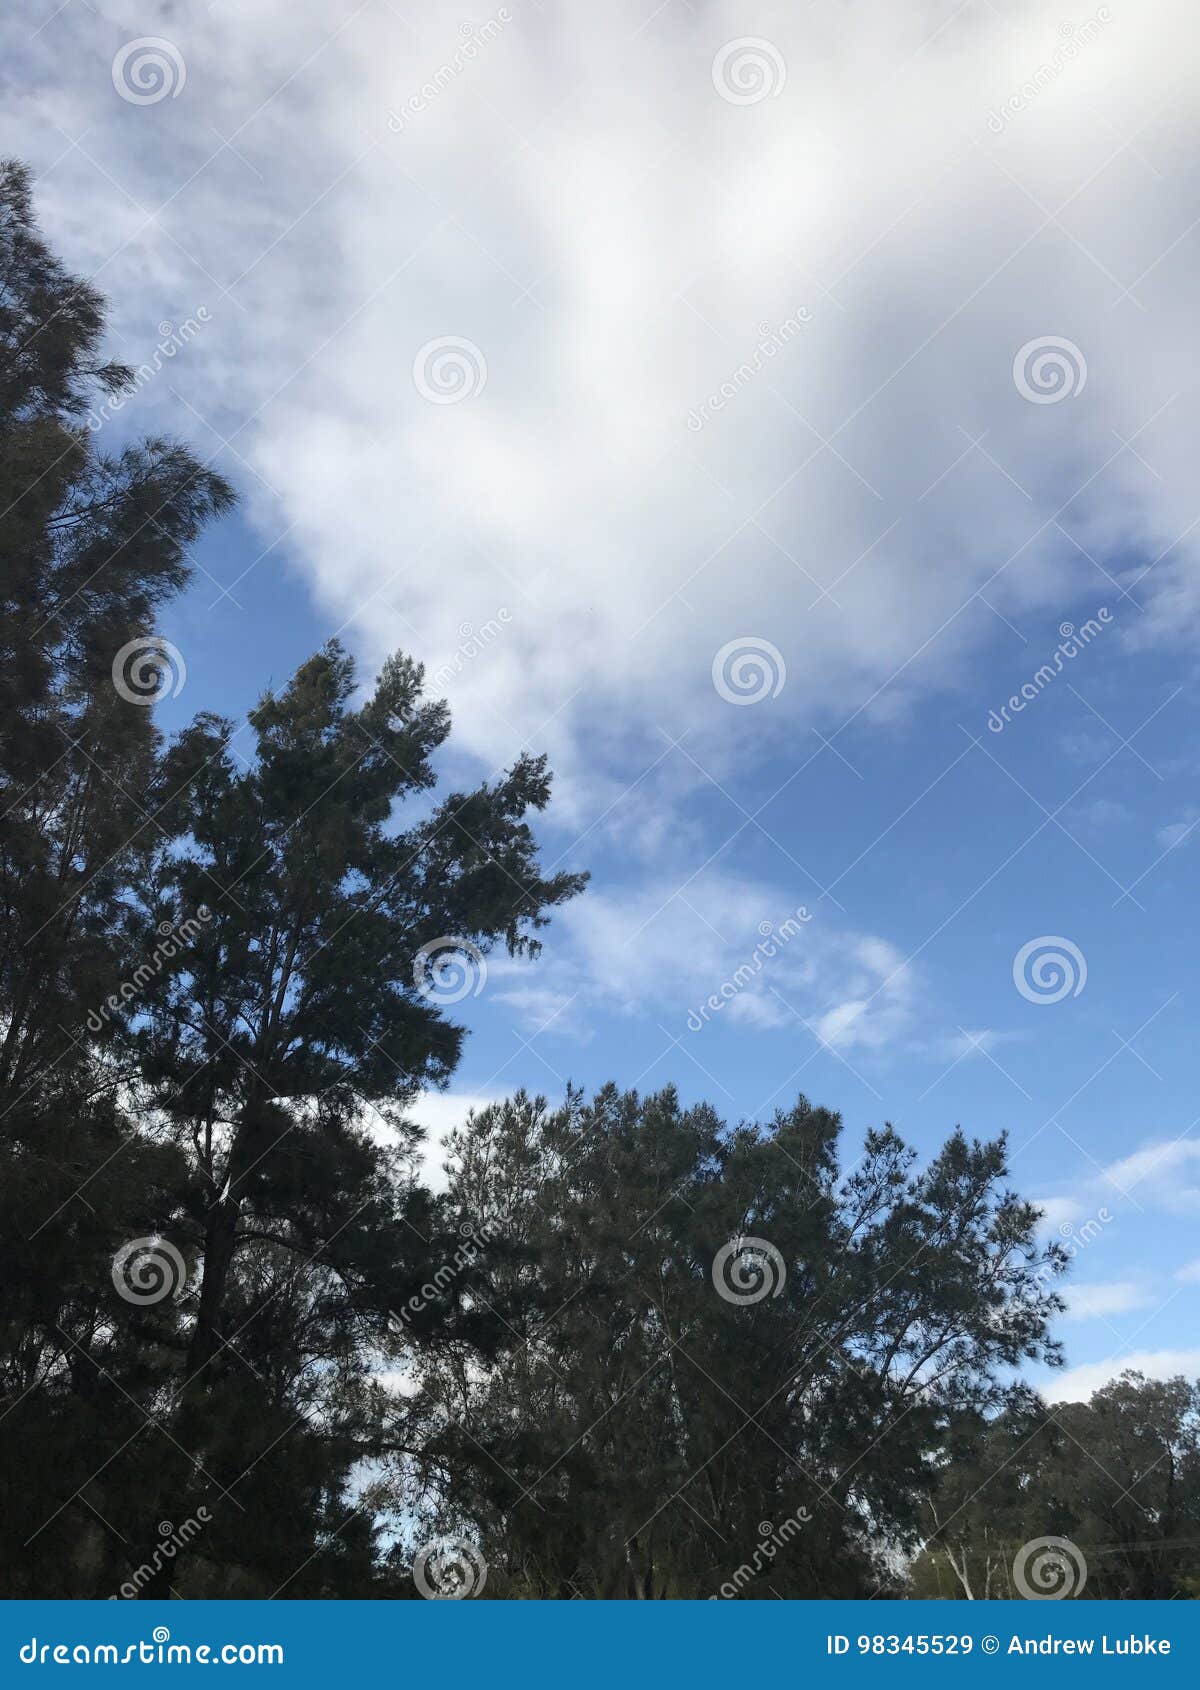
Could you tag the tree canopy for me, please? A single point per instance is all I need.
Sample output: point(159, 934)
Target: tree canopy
point(215, 1004)
point(716, 1329)
point(1118, 1478)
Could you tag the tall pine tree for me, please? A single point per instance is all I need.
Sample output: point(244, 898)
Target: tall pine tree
point(215, 1006)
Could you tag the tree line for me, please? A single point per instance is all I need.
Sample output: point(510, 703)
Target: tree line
point(630, 1350)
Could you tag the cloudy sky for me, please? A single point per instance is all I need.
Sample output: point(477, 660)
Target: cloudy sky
point(742, 403)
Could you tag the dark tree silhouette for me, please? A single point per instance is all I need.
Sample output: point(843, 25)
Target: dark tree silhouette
point(214, 1006)
point(673, 1392)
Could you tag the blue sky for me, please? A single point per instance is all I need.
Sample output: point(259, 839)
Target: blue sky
point(939, 270)
point(935, 832)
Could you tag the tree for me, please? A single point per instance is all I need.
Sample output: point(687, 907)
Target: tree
point(220, 986)
point(90, 547)
point(714, 1330)
point(1117, 1477)
point(305, 1006)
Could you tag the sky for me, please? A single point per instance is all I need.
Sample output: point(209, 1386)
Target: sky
point(742, 403)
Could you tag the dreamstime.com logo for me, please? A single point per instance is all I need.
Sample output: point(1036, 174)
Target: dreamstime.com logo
point(449, 1569)
point(173, 938)
point(770, 342)
point(1047, 1569)
point(748, 70)
point(449, 369)
point(772, 942)
point(1049, 968)
point(172, 339)
point(148, 1270)
point(148, 70)
point(157, 1651)
point(448, 969)
point(771, 1539)
point(148, 669)
point(748, 669)
point(472, 38)
point(1073, 641)
point(1073, 38)
point(746, 1270)
point(1074, 1239)
point(171, 1540)
point(474, 1239)
point(1049, 369)
point(472, 641)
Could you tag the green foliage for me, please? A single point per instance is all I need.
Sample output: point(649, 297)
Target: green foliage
point(212, 1016)
point(1118, 1476)
point(641, 1429)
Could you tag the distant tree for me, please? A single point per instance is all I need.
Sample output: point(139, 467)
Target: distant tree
point(669, 1397)
point(1119, 1477)
point(990, 1473)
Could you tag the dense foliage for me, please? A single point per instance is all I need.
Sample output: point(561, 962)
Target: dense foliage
point(1118, 1477)
point(670, 1396)
point(213, 976)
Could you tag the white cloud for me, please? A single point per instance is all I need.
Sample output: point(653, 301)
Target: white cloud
point(1094, 1302)
point(968, 1042)
point(1057, 1212)
point(1104, 813)
point(618, 241)
point(1163, 1173)
point(1175, 833)
point(669, 951)
point(1077, 1384)
point(1159, 1176)
point(438, 1112)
